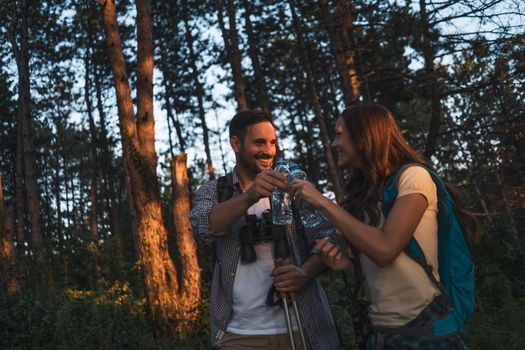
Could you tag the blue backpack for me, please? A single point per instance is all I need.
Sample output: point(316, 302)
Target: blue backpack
point(456, 268)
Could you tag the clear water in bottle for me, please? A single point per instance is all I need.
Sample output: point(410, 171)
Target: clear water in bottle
point(281, 207)
point(310, 217)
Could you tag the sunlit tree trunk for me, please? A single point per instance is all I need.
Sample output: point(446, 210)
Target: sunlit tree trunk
point(340, 28)
point(332, 169)
point(160, 276)
point(189, 295)
point(133, 216)
point(8, 262)
point(21, 52)
point(231, 44)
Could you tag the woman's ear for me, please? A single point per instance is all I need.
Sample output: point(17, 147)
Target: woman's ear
point(235, 143)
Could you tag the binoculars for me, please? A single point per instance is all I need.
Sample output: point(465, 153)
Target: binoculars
point(259, 230)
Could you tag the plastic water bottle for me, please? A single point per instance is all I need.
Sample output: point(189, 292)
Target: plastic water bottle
point(281, 206)
point(310, 217)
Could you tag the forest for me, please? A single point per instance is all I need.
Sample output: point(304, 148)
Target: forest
point(113, 113)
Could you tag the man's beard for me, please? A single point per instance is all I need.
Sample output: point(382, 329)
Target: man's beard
point(249, 163)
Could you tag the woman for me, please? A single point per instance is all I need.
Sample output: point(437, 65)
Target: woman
point(369, 142)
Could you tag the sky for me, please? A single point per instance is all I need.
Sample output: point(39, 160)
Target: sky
point(216, 119)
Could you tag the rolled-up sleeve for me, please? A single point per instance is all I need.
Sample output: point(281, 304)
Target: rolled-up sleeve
point(324, 229)
point(205, 199)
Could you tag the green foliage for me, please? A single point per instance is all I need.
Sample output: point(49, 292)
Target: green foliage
point(337, 296)
point(499, 327)
point(112, 318)
point(499, 320)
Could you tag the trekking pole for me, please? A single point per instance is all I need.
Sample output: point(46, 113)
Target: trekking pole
point(298, 319)
point(282, 253)
point(292, 297)
point(284, 298)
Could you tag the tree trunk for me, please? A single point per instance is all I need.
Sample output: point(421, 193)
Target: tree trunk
point(65, 179)
point(198, 89)
point(108, 170)
point(164, 295)
point(254, 56)
point(511, 224)
point(339, 29)
point(168, 88)
point(436, 110)
point(313, 168)
point(20, 192)
point(332, 169)
point(472, 175)
point(133, 217)
point(8, 264)
point(189, 296)
point(221, 149)
point(231, 44)
point(21, 53)
point(57, 190)
point(93, 191)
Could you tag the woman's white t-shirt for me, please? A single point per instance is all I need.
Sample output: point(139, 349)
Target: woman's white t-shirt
point(399, 291)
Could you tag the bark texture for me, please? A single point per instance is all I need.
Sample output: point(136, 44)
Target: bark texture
point(165, 296)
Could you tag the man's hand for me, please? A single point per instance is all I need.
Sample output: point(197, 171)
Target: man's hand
point(264, 184)
point(288, 278)
point(333, 255)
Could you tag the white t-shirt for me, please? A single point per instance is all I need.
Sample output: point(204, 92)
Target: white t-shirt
point(251, 315)
point(399, 291)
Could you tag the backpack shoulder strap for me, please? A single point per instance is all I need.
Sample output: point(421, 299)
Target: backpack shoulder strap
point(225, 187)
point(224, 192)
point(412, 249)
point(390, 192)
point(456, 269)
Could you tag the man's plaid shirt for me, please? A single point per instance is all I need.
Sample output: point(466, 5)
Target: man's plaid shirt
point(313, 305)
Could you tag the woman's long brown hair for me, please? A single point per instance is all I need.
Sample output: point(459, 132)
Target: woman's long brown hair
point(383, 149)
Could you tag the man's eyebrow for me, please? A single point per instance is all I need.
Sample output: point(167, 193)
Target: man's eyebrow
point(264, 140)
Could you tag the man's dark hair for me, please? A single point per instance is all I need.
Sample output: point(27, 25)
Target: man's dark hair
point(243, 119)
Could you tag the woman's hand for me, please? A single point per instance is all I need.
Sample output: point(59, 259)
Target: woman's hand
point(333, 255)
point(302, 190)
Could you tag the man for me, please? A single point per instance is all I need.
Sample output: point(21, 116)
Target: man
point(240, 315)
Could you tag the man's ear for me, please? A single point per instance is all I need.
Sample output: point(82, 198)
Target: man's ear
point(235, 143)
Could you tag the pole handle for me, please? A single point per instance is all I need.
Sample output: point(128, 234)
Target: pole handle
point(289, 295)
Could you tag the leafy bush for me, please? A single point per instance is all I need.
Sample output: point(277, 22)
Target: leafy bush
point(114, 318)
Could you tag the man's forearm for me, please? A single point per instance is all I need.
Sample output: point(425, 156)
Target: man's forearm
point(224, 215)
